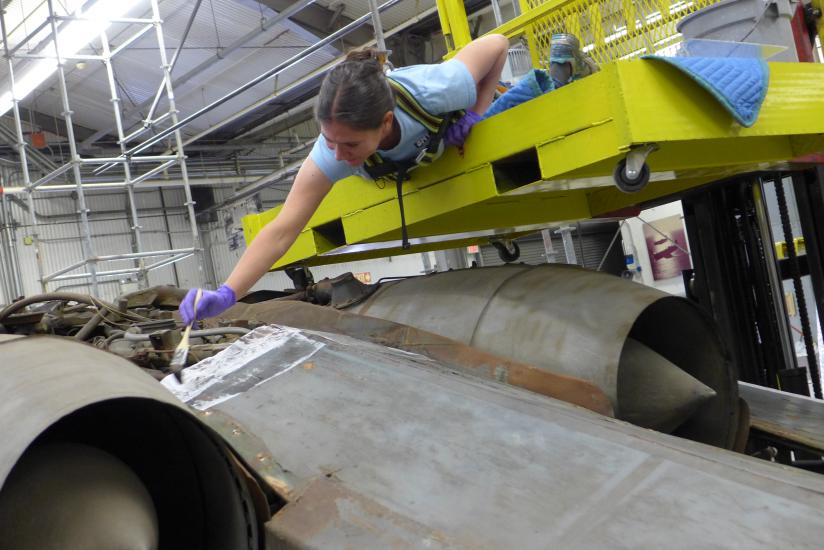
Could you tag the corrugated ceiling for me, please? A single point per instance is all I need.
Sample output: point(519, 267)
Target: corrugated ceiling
point(217, 25)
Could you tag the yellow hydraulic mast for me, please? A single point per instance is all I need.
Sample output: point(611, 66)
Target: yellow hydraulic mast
point(454, 24)
point(818, 5)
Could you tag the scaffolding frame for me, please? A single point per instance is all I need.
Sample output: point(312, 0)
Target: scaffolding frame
point(128, 157)
point(91, 260)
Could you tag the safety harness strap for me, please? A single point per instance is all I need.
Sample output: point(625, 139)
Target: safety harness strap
point(401, 175)
point(378, 167)
point(408, 103)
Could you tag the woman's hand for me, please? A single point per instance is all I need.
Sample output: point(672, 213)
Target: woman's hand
point(211, 303)
point(458, 131)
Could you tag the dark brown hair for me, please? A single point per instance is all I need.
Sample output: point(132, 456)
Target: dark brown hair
point(356, 92)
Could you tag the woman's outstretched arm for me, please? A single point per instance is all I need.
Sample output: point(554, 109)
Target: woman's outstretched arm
point(485, 58)
point(307, 192)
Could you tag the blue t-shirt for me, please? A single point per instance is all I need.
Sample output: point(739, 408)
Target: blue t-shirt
point(441, 88)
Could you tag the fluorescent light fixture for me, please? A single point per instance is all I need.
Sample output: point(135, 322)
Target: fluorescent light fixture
point(70, 39)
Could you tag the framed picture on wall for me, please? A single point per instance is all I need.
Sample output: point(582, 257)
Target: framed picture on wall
point(667, 246)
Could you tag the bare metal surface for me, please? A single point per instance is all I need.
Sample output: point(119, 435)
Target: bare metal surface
point(395, 451)
point(785, 415)
point(572, 321)
point(451, 353)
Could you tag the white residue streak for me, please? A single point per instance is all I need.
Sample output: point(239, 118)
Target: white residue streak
point(221, 368)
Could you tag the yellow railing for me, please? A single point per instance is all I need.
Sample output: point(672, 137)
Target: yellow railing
point(608, 29)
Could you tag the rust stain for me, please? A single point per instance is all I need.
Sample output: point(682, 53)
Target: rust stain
point(280, 486)
point(308, 366)
point(328, 508)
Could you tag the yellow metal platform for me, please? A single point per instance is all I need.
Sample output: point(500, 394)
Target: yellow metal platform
point(552, 159)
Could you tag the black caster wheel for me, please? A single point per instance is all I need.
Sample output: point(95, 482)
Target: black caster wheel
point(630, 185)
point(505, 254)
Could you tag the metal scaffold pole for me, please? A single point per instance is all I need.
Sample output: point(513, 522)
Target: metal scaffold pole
point(21, 151)
point(88, 249)
point(135, 227)
point(178, 143)
point(376, 25)
point(15, 280)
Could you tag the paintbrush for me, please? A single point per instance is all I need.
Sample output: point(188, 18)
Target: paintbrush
point(178, 361)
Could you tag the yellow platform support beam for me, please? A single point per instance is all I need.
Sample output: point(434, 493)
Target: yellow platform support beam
point(551, 160)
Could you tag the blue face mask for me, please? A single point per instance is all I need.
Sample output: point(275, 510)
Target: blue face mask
point(560, 73)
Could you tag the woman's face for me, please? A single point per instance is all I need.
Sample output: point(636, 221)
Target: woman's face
point(354, 146)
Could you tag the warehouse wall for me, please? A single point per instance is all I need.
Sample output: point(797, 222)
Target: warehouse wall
point(60, 235)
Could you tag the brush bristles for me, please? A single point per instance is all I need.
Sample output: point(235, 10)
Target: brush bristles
point(179, 358)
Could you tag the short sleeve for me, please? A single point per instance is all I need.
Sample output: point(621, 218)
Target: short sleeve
point(324, 157)
point(440, 88)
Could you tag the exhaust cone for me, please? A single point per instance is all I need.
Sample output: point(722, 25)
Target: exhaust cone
point(655, 393)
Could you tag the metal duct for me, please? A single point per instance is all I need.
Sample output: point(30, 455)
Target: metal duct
point(59, 392)
point(452, 354)
point(578, 322)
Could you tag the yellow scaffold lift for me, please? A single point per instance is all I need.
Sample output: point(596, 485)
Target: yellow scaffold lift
point(553, 159)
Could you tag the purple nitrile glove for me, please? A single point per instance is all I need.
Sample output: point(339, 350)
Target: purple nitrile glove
point(212, 302)
point(458, 131)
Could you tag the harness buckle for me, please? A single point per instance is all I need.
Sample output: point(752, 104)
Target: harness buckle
point(420, 157)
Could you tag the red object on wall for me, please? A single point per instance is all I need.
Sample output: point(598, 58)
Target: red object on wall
point(38, 140)
point(817, 158)
point(803, 47)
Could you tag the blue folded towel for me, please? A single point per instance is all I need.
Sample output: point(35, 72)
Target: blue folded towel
point(533, 84)
point(740, 84)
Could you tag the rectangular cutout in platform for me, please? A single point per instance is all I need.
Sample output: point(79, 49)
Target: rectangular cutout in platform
point(516, 170)
point(332, 232)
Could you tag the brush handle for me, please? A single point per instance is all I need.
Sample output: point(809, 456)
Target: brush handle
point(198, 296)
point(182, 350)
point(184, 340)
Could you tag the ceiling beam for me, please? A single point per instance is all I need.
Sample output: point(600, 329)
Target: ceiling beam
point(316, 19)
